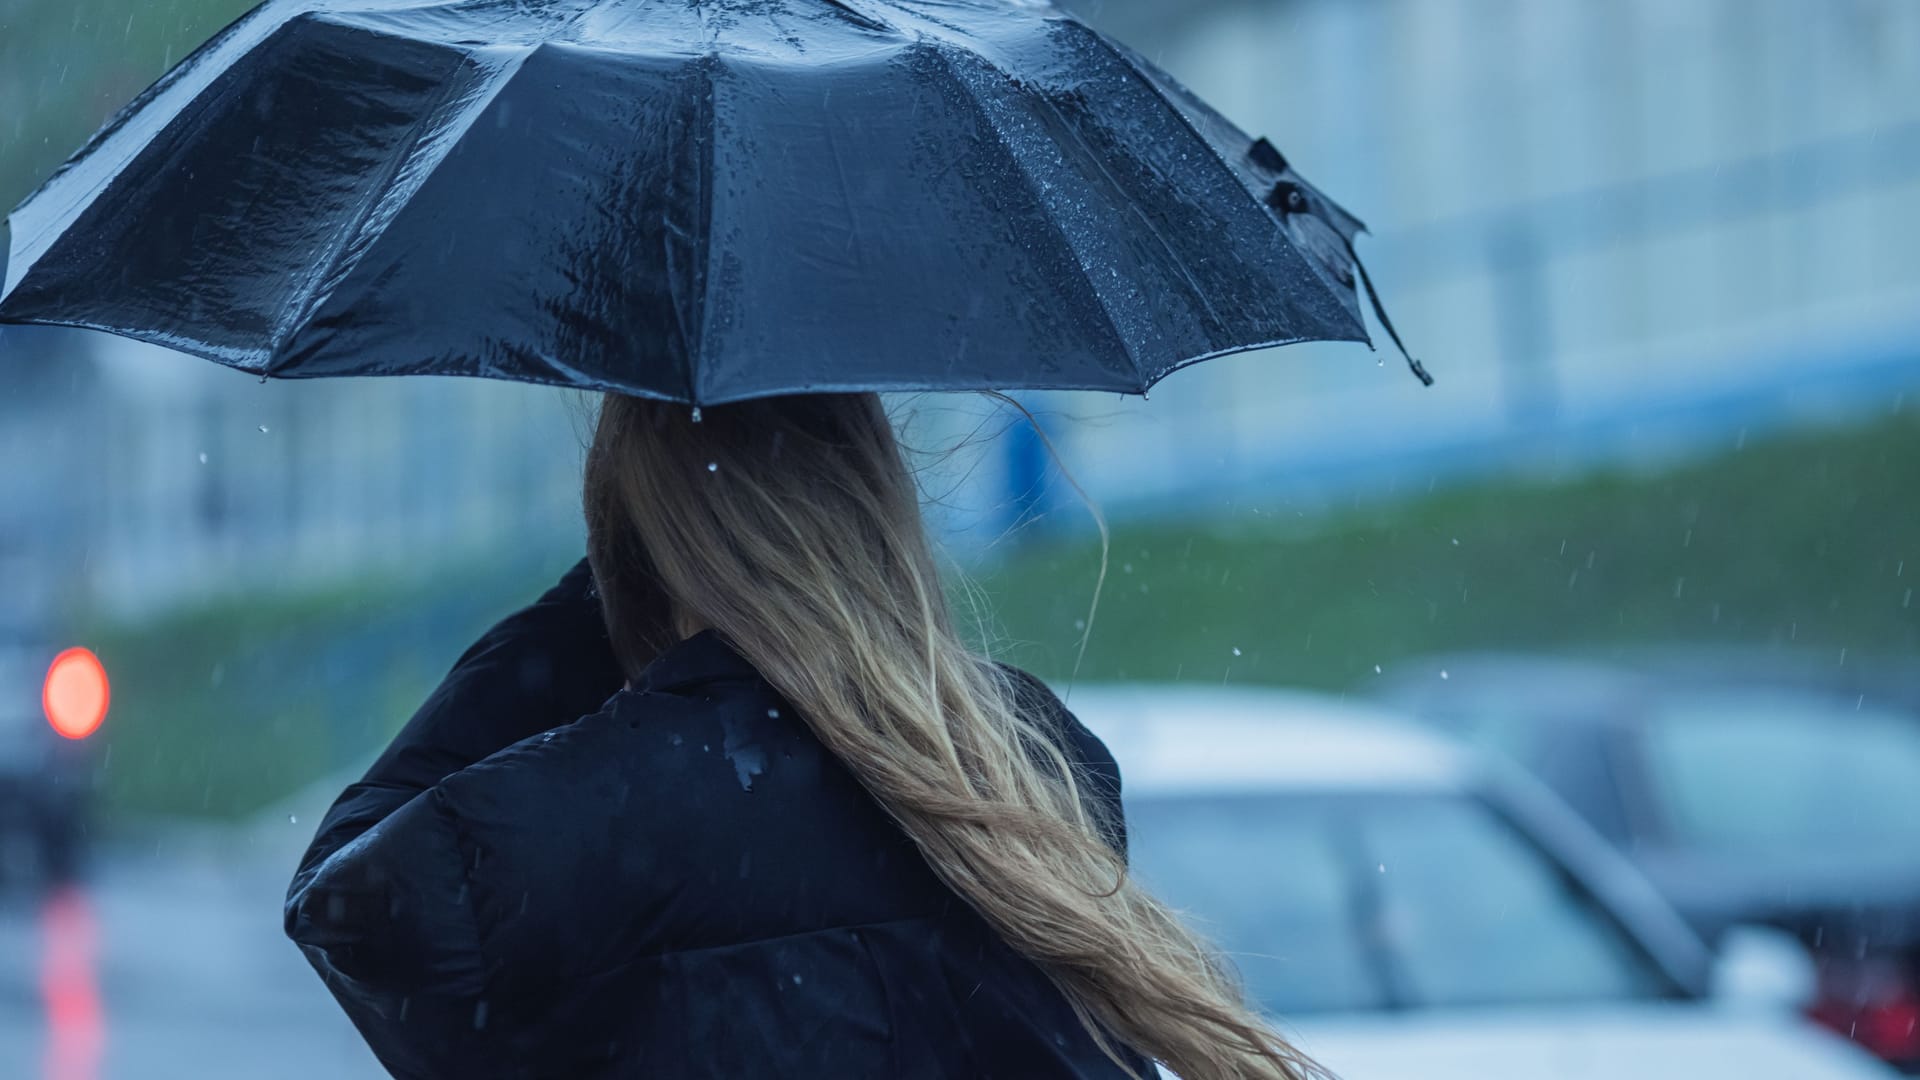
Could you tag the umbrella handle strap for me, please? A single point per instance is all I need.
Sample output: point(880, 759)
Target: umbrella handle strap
point(1380, 312)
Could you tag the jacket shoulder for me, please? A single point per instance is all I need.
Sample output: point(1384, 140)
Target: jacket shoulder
point(1096, 770)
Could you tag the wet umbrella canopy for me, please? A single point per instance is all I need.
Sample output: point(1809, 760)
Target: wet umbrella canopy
point(702, 200)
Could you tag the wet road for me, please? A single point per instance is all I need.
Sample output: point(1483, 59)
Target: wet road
point(167, 963)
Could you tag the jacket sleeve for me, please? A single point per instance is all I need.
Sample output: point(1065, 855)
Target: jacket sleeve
point(378, 902)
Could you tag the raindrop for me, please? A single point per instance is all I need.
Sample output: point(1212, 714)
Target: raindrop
point(1236, 651)
point(263, 429)
point(1376, 669)
point(203, 457)
point(1456, 541)
point(796, 980)
point(293, 819)
point(1443, 674)
point(696, 414)
point(713, 466)
point(1383, 868)
point(1081, 624)
point(1126, 568)
point(674, 739)
point(773, 714)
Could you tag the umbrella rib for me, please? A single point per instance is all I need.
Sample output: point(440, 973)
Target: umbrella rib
point(320, 291)
point(963, 94)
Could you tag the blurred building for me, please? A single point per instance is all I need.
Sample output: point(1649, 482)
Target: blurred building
point(138, 477)
point(1610, 227)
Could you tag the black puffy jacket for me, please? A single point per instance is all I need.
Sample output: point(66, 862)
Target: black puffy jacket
point(678, 881)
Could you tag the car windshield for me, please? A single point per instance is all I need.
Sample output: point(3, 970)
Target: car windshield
point(1774, 776)
point(1358, 902)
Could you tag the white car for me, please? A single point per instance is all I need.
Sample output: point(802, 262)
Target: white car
point(1414, 911)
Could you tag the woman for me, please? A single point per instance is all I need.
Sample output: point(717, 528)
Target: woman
point(813, 836)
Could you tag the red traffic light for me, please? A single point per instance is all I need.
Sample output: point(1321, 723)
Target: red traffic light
point(76, 693)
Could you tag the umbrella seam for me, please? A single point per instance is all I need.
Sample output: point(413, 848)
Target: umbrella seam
point(696, 347)
point(320, 293)
point(1079, 259)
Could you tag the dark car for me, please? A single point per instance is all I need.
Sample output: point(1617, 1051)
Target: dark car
point(1746, 802)
point(46, 779)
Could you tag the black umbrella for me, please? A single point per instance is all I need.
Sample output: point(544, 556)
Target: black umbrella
point(702, 200)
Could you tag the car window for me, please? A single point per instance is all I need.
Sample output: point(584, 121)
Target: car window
point(1474, 913)
point(1356, 902)
point(1267, 880)
point(1763, 775)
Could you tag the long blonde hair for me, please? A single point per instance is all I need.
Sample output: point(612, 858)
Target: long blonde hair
point(792, 526)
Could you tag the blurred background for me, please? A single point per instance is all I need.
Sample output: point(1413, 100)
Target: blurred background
point(1592, 674)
